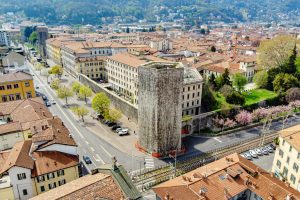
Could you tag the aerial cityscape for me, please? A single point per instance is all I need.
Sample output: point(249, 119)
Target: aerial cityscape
point(150, 100)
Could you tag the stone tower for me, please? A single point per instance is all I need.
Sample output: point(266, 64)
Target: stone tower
point(159, 111)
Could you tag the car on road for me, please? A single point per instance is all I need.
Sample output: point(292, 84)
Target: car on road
point(48, 104)
point(115, 127)
point(53, 102)
point(87, 159)
point(119, 129)
point(44, 97)
point(253, 153)
point(37, 87)
point(258, 152)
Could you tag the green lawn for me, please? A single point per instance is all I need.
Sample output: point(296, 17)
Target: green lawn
point(255, 96)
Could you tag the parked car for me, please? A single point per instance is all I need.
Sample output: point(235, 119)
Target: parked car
point(247, 156)
point(270, 149)
point(110, 124)
point(118, 129)
point(121, 133)
point(100, 117)
point(264, 150)
point(53, 101)
point(44, 97)
point(258, 152)
point(48, 103)
point(273, 146)
point(87, 159)
point(115, 127)
point(253, 153)
point(106, 121)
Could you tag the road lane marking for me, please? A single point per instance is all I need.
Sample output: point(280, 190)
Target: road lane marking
point(106, 151)
point(87, 142)
point(99, 159)
point(92, 149)
point(217, 139)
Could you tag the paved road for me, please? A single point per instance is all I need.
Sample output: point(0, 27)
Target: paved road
point(88, 143)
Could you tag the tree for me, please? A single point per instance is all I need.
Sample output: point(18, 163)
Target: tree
point(243, 118)
point(261, 79)
point(55, 84)
point(219, 82)
point(85, 92)
point(33, 37)
point(290, 67)
point(56, 70)
point(226, 90)
point(226, 78)
point(275, 52)
point(101, 103)
point(80, 111)
point(64, 93)
point(292, 94)
point(239, 81)
point(223, 123)
point(295, 105)
point(235, 98)
point(113, 115)
point(208, 100)
point(272, 73)
point(76, 87)
point(283, 82)
point(39, 67)
point(212, 80)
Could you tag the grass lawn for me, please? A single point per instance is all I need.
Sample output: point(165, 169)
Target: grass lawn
point(221, 100)
point(255, 96)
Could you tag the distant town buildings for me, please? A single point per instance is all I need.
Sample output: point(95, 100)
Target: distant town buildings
point(232, 177)
point(287, 157)
point(4, 38)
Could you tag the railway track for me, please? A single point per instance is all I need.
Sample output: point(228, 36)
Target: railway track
point(154, 177)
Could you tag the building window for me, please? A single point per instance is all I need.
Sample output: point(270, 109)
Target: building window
point(25, 192)
point(285, 172)
point(291, 148)
point(18, 96)
point(21, 176)
point(29, 95)
point(288, 160)
point(50, 176)
point(60, 173)
point(40, 179)
point(61, 182)
point(17, 135)
point(298, 156)
point(278, 164)
point(281, 153)
point(283, 142)
point(52, 185)
point(295, 167)
point(189, 88)
point(16, 85)
point(27, 84)
point(8, 87)
point(2, 87)
point(293, 178)
point(11, 97)
point(4, 98)
point(42, 188)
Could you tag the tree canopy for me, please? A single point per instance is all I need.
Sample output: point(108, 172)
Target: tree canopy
point(101, 103)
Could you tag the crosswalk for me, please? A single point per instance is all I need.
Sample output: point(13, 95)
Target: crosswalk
point(149, 163)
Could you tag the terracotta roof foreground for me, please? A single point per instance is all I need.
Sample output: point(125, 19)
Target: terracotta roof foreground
point(224, 179)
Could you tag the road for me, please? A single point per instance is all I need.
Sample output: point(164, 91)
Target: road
point(88, 143)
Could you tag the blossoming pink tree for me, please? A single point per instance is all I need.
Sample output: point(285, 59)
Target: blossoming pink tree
point(244, 117)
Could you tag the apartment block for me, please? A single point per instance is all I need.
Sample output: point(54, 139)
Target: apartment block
point(82, 57)
point(287, 157)
point(16, 86)
point(4, 38)
point(232, 177)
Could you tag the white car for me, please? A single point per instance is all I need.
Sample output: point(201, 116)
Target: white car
point(53, 101)
point(253, 153)
point(122, 132)
point(258, 151)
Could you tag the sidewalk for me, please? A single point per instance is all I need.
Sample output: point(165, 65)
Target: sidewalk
point(125, 144)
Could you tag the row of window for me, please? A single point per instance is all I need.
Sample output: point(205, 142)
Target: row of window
point(15, 86)
point(192, 104)
point(191, 88)
point(114, 64)
point(50, 175)
point(295, 165)
point(13, 97)
point(93, 64)
point(192, 96)
point(53, 185)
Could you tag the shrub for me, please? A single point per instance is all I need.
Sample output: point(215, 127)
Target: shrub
point(235, 98)
point(292, 94)
point(226, 90)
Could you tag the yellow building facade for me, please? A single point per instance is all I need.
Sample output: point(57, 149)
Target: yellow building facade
point(7, 193)
point(16, 86)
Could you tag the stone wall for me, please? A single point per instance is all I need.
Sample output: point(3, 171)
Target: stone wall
point(125, 107)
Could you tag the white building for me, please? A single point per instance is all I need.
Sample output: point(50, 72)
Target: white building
point(161, 44)
point(4, 38)
point(287, 157)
